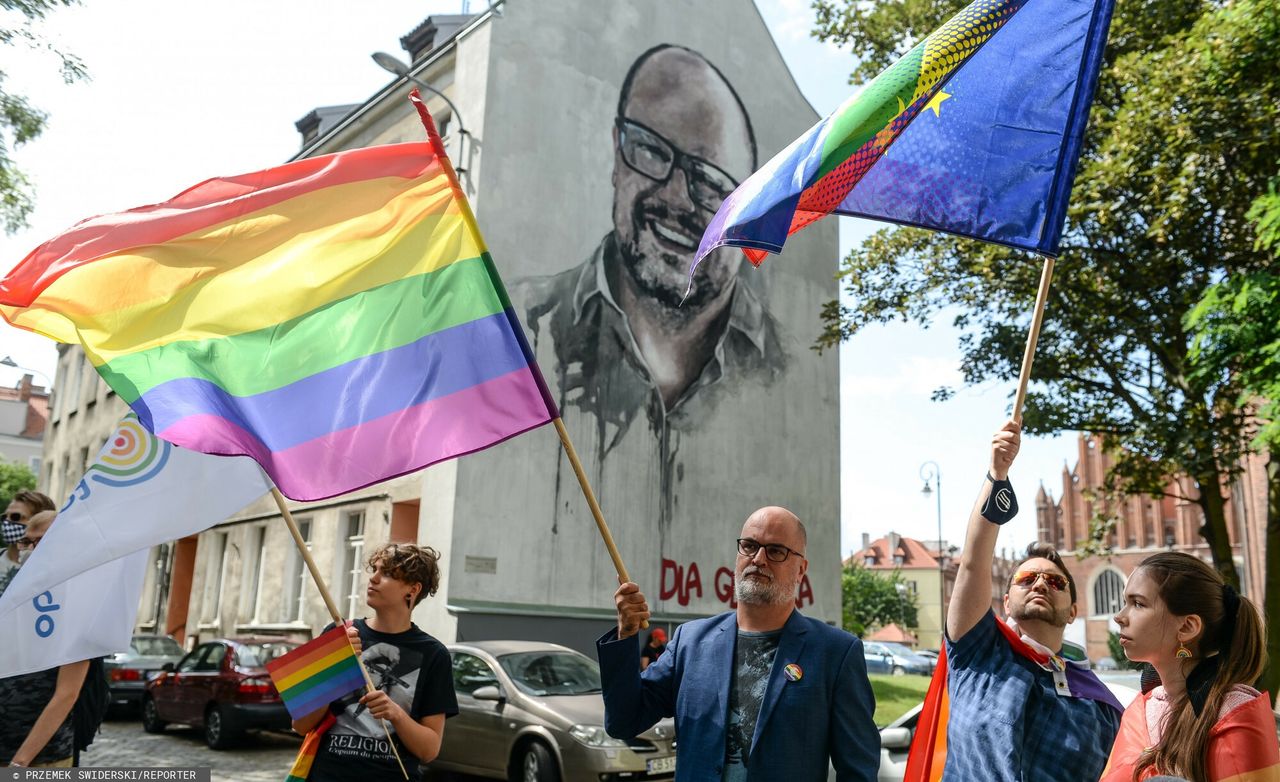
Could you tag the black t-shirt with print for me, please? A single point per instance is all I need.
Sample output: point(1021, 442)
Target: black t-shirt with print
point(411, 667)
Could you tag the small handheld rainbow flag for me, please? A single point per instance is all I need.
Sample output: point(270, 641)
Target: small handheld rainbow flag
point(319, 671)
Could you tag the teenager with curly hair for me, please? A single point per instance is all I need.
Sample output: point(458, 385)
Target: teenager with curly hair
point(410, 669)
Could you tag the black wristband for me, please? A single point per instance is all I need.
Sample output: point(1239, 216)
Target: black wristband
point(1001, 505)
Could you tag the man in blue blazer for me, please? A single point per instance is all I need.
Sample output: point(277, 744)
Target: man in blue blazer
point(761, 693)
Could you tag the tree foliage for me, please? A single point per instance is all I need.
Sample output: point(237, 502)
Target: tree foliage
point(1182, 138)
point(872, 599)
point(20, 121)
point(14, 477)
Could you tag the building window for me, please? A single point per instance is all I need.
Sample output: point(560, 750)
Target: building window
point(1108, 593)
point(34, 463)
point(216, 566)
point(353, 561)
point(296, 583)
point(253, 572)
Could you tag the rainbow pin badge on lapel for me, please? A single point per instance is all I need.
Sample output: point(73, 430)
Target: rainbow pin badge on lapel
point(793, 672)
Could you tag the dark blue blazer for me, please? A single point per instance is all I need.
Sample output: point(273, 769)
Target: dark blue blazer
point(826, 713)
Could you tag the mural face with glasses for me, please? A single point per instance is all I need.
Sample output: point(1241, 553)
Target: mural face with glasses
point(683, 142)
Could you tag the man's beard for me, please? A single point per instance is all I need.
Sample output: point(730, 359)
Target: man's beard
point(757, 592)
point(651, 267)
point(1040, 612)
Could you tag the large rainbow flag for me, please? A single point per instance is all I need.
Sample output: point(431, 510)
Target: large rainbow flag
point(976, 131)
point(321, 670)
point(338, 318)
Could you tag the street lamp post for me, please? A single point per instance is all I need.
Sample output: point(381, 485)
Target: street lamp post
point(931, 474)
point(8, 361)
point(393, 64)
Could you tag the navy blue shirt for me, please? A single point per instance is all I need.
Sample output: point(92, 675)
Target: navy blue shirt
point(1007, 721)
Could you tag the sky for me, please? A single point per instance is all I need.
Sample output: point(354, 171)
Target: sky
point(180, 92)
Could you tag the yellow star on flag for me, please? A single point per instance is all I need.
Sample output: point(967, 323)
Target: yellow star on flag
point(935, 102)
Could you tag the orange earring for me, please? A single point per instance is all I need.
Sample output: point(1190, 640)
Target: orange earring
point(1183, 652)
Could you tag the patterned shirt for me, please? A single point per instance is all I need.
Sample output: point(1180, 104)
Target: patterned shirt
point(1008, 723)
point(753, 661)
point(22, 700)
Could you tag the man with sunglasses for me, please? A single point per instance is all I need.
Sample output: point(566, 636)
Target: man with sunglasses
point(758, 693)
point(1022, 705)
point(13, 526)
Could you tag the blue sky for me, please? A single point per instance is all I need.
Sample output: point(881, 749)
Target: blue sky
point(145, 126)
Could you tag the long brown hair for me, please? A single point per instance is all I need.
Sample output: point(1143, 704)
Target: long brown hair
point(1188, 585)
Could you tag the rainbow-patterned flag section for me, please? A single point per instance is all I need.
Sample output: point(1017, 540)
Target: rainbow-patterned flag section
point(321, 670)
point(976, 131)
point(337, 318)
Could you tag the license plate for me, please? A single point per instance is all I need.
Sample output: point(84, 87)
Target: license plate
point(661, 765)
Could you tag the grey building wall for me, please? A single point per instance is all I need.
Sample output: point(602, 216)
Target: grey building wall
point(523, 538)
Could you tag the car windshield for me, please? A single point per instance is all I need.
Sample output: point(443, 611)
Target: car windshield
point(156, 647)
point(900, 649)
point(552, 673)
point(259, 654)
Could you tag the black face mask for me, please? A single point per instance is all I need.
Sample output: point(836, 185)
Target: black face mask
point(11, 532)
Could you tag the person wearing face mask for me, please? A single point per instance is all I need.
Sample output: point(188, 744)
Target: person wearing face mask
point(36, 728)
point(13, 526)
point(759, 693)
point(1204, 720)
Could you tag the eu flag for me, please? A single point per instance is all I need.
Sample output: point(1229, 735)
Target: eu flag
point(976, 131)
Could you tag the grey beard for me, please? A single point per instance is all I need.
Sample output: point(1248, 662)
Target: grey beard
point(767, 593)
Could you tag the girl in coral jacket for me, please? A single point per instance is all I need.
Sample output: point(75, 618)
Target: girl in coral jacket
point(1203, 722)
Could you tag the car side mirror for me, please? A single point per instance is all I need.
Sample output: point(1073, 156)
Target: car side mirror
point(168, 667)
point(895, 738)
point(488, 693)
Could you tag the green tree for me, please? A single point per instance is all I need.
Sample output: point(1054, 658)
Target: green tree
point(1182, 137)
point(873, 599)
point(14, 477)
point(20, 121)
point(1237, 338)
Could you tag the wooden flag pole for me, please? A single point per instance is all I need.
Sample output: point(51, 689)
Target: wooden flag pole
point(595, 506)
point(1042, 295)
point(591, 500)
point(328, 602)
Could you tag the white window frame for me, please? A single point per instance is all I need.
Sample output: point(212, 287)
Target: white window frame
point(353, 559)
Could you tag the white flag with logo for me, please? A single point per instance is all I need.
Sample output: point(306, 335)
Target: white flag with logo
point(77, 595)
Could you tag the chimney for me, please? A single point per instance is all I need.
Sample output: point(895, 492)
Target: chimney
point(866, 541)
point(24, 387)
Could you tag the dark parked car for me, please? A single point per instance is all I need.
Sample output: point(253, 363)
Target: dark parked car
point(127, 672)
point(532, 711)
point(222, 686)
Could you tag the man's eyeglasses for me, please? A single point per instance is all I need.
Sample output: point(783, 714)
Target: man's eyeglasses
point(1027, 579)
point(26, 542)
point(774, 552)
point(15, 517)
point(645, 152)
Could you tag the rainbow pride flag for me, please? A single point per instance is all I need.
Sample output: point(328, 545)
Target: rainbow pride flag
point(976, 131)
point(321, 670)
point(338, 318)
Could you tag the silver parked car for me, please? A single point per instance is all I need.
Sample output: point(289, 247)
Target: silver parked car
point(532, 711)
point(127, 672)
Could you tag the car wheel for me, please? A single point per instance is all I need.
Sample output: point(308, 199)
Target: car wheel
point(218, 733)
point(151, 721)
point(535, 764)
point(898, 670)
